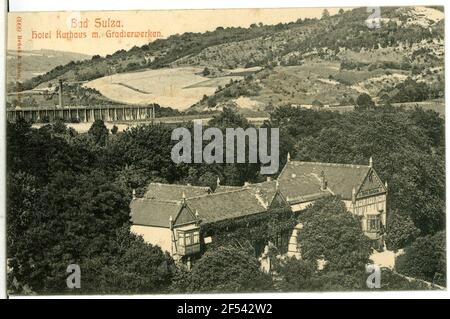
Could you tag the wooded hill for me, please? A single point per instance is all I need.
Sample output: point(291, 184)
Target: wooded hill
point(329, 60)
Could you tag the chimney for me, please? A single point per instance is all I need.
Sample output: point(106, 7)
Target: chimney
point(134, 193)
point(386, 185)
point(246, 184)
point(60, 92)
point(277, 185)
point(218, 181)
point(324, 185)
point(288, 157)
point(183, 196)
point(268, 179)
point(370, 162)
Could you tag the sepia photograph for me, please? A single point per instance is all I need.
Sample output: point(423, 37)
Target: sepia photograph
point(225, 151)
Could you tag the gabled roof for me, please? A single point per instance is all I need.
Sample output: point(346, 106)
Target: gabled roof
point(226, 205)
point(304, 178)
point(148, 212)
point(174, 192)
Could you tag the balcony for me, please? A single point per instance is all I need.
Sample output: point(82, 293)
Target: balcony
point(188, 250)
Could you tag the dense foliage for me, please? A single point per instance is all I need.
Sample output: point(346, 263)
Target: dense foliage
point(64, 207)
point(332, 234)
point(407, 147)
point(225, 269)
point(408, 151)
point(68, 197)
point(425, 259)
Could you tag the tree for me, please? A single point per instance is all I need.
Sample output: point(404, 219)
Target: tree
point(317, 104)
point(333, 234)
point(235, 173)
point(99, 132)
point(206, 72)
point(212, 101)
point(225, 269)
point(145, 152)
point(364, 101)
point(301, 275)
point(425, 259)
point(62, 209)
point(411, 91)
point(59, 127)
point(391, 280)
point(130, 267)
point(114, 130)
point(208, 179)
point(401, 231)
point(339, 281)
point(325, 14)
point(296, 275)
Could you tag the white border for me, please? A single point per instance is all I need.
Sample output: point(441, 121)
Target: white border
point(2, 151)
point(79, 5)
point(83, 5)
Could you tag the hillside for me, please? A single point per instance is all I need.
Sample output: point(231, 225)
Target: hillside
point(38, 62)
point(328, 61)
point(346, 59)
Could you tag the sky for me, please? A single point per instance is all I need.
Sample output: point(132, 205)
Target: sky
point(167, 22)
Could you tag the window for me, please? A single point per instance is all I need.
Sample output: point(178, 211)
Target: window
point(189, 239)
point(196, 238)
point(373, 223)
point(181, 239)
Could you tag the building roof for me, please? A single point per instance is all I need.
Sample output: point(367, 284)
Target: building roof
point(304, 178)
point(266, 189)
point(224, 188)
point(174, 192)
point(148, 212)
point(298, 182)
point(226, 205)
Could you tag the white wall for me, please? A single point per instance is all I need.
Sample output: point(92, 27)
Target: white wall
point(159, 236)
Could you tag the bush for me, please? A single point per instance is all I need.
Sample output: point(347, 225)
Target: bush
point(364, 101)
point(224, 269)
point(425, 259)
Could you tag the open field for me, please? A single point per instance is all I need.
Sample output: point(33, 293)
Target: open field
point(178, 88)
